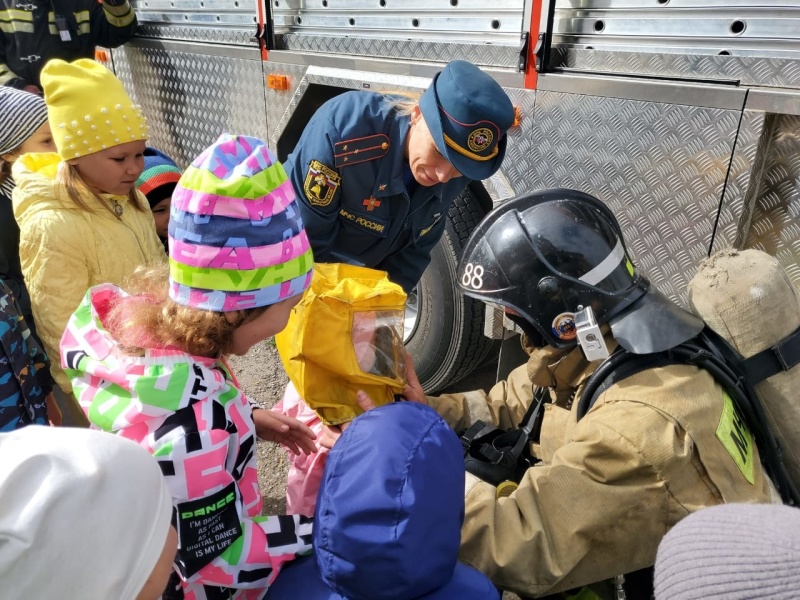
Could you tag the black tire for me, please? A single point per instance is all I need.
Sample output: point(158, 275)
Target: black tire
point(448, 342)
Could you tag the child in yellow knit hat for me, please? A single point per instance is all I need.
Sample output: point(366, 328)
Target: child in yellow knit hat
point(82, 221)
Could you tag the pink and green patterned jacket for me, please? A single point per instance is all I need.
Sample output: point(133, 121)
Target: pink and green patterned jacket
point(187, 411)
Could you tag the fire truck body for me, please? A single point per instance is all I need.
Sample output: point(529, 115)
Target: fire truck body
point(682, 115)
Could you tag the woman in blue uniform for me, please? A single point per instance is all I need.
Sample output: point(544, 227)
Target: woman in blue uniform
point(375, 174)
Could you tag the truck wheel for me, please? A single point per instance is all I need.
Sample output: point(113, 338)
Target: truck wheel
point(444, 329)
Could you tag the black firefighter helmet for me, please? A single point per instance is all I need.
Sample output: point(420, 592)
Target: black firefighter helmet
point(545, 254)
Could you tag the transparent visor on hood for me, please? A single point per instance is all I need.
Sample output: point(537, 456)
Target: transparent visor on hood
point(378, 343)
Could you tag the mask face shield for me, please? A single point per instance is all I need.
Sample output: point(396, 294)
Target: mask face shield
point(378, 343)
point(345, 335)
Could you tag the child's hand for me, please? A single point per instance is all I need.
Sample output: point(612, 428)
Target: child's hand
point(331, 433)
point(413, 390)
point(289, 432)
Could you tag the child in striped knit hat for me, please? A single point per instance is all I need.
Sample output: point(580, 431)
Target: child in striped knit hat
point(157, 182)
point(23, 129)
point(148, 363)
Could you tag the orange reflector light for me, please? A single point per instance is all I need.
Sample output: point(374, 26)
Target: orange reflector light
point(101, 56)
point(517, 116)
point(278, 82)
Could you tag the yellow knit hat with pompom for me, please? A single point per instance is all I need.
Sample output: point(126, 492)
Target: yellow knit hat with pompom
point(88, 108)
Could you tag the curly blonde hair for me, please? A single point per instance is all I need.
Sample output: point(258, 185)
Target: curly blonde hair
point(149, 318)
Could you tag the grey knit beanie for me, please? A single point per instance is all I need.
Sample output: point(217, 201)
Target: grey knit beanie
point(731, 551)
point(21, 114)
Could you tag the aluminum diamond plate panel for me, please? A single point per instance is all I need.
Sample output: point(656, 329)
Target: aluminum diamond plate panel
point(741, 189)
point(190, 99)
point(468, 21)
point(513, 178)
point(494, 55)
point(219, 21)
point(776, 218)
point(281, 105)
point(239, 37)
point(683, 26)
point(660, 167)
point(773, 72)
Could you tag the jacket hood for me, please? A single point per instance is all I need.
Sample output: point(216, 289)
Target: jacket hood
point(145, 387)
point(34, 175)
point(389, 514)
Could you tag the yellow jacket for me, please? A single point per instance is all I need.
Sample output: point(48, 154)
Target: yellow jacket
point(65, 250)
point(608, 487)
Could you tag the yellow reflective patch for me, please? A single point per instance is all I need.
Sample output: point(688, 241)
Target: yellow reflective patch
point(82, 16)
point(736, 438)
point(15, 27)
point(116, 17)
point(16, 15)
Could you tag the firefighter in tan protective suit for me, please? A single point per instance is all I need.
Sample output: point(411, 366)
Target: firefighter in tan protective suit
point(652, 448)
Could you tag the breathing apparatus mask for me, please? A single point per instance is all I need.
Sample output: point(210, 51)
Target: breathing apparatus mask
point(345, 335)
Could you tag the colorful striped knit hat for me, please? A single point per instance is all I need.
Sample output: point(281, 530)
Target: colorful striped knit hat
point(236, 240)
point(159, 177)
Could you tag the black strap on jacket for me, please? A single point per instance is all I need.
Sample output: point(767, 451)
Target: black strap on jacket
point(712, 353)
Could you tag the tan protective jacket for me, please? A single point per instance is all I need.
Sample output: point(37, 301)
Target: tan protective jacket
point(654, 448)
point(64, 250)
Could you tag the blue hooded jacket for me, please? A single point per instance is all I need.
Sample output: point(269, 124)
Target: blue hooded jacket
point(389, 514)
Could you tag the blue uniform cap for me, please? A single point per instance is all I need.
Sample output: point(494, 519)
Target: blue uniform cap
point(468, 114)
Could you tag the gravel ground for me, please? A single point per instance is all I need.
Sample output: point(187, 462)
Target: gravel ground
point(263, 379)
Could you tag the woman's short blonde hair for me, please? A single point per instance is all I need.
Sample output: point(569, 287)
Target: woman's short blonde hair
point(402, 101)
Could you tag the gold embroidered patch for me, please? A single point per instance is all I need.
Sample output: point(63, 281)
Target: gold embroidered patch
point(480, 139)
point(369, 224)
point(321, 184)
point(436, 218)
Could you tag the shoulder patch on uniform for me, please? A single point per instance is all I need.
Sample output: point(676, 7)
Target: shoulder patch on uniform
point(320, 184)
point(358, 150)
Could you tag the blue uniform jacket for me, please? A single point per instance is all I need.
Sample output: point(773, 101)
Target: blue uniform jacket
point(347, 170)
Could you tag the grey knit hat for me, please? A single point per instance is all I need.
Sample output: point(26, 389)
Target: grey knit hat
point(21, 114)
point(732, 551)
